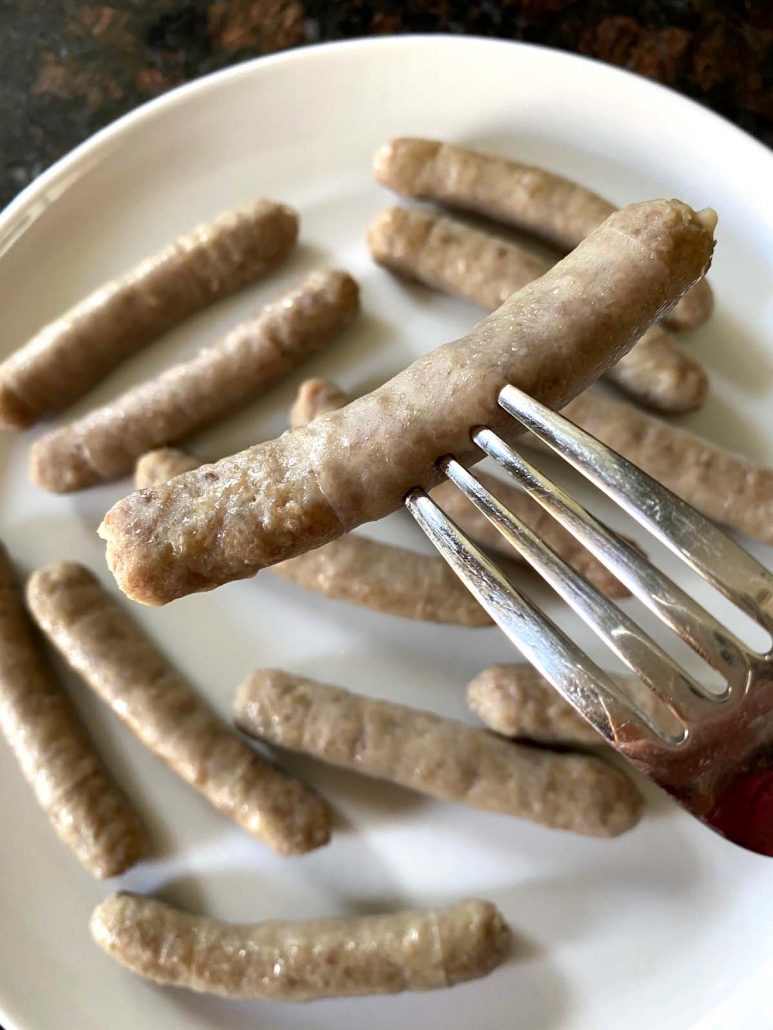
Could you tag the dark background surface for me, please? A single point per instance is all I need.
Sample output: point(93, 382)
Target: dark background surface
point(68, 67)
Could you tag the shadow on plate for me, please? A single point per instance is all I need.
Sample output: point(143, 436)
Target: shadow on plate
point(384, 802)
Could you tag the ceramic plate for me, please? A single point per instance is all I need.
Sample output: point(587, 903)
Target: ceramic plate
point(667, 926)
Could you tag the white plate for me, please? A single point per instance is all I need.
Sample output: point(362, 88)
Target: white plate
point(667, 926)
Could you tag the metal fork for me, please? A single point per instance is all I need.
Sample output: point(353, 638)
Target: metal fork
point(711, 750)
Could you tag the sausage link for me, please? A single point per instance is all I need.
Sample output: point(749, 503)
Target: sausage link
point(449, 256)
point(315, 397)
point(195, 394)
point(161, 465)
point(530, 198)
point(393, 580)
point(516, 701)
point(725, 486)
point(301, 961)
point(437, 756)
point(86, 809)
point(78, 350)
point(309, 486)
point(109, 651)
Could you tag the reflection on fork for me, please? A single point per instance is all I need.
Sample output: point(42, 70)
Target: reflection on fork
point(711, 749)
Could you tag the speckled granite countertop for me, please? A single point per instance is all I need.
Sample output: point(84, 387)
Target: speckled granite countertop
point(68, 67)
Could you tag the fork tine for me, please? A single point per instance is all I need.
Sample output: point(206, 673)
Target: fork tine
point(695, 539)
point(587, 687)
point(705, 634)
point(679, 692)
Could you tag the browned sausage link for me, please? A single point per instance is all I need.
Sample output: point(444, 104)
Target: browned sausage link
point(530, 198)
point(106, 647)
point(293, 494)
point(300, 961)
point(393, 580)
point(72, 354)
point(388, 579)
point(188, 397)
point(660, 377)
point(89, 813)
point(516, 701)
point(161, 465)
point(695, 308)
point(437, 756)
point(723, 485)
point(449, 256)
point(315, 397)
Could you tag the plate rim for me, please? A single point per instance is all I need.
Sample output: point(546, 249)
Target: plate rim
point(15, 210)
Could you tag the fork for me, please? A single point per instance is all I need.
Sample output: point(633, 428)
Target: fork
point(712, 750)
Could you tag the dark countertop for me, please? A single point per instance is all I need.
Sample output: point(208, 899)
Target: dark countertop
point(68, 67)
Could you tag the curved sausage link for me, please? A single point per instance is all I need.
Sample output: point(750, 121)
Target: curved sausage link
point(369, 573)
point(317, 396)
point(301, 961)
point(311, 485)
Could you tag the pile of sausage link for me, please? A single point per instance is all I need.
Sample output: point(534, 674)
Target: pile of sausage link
point(290, 504)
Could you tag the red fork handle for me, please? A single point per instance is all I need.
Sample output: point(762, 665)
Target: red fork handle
point(743, 812)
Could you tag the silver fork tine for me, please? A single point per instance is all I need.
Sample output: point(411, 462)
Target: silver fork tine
point(696, 540)
point(596, 696)
point(681, 694)
point(705, 634)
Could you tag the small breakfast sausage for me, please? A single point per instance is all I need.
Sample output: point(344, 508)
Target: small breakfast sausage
point(315, 397)
point(108, 649)
point(161, 465)
point(388, 579)
point(311, 485)
point(554, 208)
point(723, 485)
point(449, 256)
point(301, 961)
point(516, 701)
point(437, 756)
point(74, 353)
point(188, 397)
point(660, 377)
point(393, 580)
point(87, 810)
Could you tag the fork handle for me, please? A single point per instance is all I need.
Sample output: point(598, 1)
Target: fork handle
point(744, 811)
